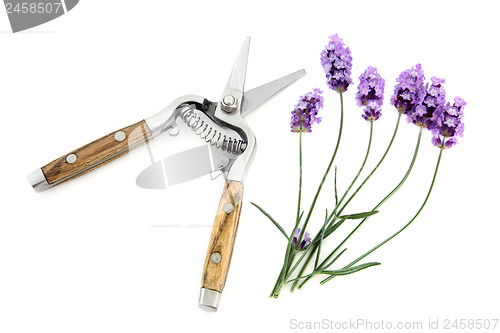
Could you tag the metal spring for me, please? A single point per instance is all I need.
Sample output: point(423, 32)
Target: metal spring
point(210, 134)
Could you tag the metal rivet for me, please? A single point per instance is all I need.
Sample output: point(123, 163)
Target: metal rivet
point(71, 158)
point(174, 131)
point(216, 257)
point(223, 161)
point(120, 136)
point(228, 208)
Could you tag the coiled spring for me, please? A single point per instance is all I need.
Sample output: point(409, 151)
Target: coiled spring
point(210, 134)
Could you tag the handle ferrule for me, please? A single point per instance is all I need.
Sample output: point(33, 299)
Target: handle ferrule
point(209, 299)
point(38, 181)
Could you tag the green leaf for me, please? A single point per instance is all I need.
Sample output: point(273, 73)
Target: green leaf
point(334, 227)
point(272, 220)
point(358, 215)
point(333, 273)
point(350, 270)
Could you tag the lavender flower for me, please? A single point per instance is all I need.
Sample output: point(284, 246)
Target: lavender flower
point(433, 103)
point(337, 62)
point(304, 243)
point(296, 236)
point(409, 91)
point(448, 123)
point(306, 111)
point(371, 93)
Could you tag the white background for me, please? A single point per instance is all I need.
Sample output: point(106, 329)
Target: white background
point(99, 254)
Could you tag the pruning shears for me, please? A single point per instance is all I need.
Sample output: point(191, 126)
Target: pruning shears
point(232, 144)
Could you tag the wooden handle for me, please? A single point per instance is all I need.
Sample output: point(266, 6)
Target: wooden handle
point(220, 248)
point(96, 153)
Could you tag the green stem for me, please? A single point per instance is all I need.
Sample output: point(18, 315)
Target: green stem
point(346, 191)
point(375, 168)
point(355, 192)
point(407, 224)
point(277, 284)
point(306, 221)
point(300, 179)
point(327, 169)
point(403, 180)
point(322, 232)
point(410, 168)
point(313, 245)
point(288, 257)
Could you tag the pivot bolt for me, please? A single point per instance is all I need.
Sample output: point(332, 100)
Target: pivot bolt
point(229, 103)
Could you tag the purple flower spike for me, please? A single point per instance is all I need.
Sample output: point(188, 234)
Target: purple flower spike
point(447, 122)
point(371, 93)
point(337, 62)
point(306, 111)
point(432, 105)
point(305, 242)
point(409, 91)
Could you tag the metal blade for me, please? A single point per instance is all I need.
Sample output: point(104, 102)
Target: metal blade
point(236, 80)
point(258, 96)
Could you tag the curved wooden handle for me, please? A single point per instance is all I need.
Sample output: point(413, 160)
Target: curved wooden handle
point(95, 154)
point(220, 248)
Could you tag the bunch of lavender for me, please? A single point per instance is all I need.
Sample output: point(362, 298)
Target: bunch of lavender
point(424, 105)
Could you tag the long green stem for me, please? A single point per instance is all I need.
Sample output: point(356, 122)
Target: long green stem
point(313, 245)
point(333, 213)
point(288, 257)
point(306, 221)
point(300, 179)
point(403, 180)
point(376, 166)
point(406, 225)
point(346, 191)
point(352, 196)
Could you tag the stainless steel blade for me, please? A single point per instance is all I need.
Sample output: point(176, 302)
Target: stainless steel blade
point(258, 96)
point(236, 80)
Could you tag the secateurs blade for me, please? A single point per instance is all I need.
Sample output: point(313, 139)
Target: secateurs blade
point(232, 144)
